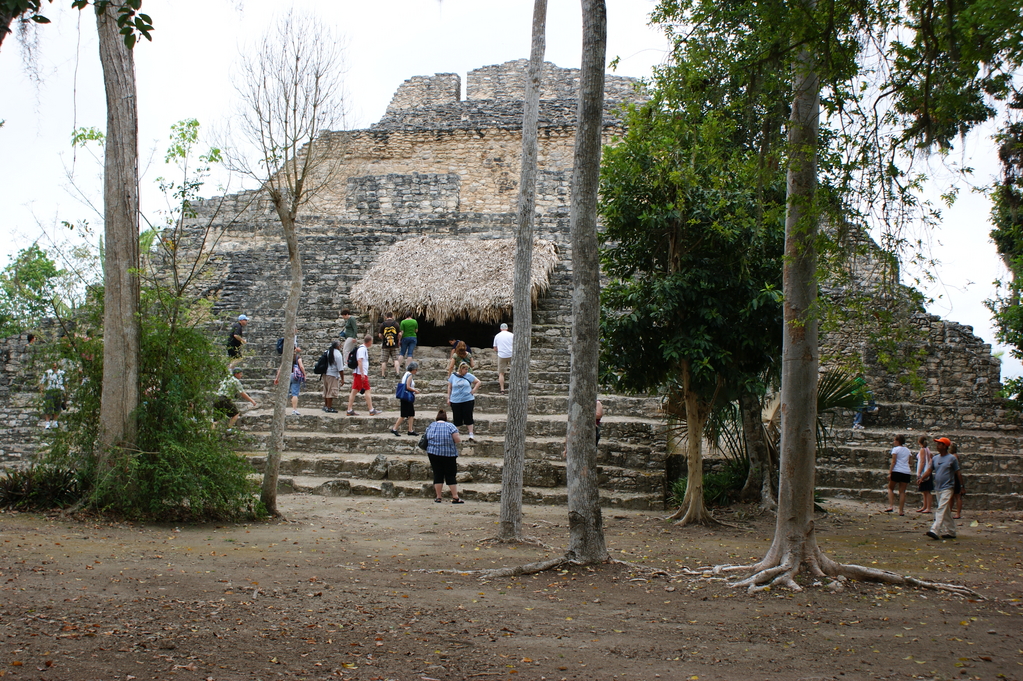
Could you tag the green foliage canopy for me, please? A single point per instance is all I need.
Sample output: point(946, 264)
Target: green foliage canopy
point(692, 226)
point(28, 290)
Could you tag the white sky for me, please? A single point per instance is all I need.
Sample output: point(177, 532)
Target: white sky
point(185, 73)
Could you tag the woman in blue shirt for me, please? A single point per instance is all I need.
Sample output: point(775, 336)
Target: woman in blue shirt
point(462, 388)
point(441, 440)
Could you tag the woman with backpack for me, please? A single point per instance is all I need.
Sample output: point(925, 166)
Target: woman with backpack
point(408, 405)
point(334, 378)
point(297, 379)
point(462, 388)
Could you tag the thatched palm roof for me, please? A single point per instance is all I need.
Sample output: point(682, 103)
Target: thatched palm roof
point(440, 279)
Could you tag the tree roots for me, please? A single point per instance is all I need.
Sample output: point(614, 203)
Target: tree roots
point(826, 572)
point(515, 571)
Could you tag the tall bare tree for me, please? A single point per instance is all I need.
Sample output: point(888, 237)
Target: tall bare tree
point(586, 525)
point(120, 397)
point(292, 93)
point(515, 438)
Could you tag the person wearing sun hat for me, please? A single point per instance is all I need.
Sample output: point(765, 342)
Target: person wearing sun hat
point(945, 470)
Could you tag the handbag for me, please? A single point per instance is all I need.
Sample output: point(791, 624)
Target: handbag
point(424, 442)
point(403, 393)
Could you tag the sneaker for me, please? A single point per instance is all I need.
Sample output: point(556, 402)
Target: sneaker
point(331, 410)
point(932, 535)
point(325, 409)
point(351, 413)
point(471, 437)
point(54, 425)
point(395, 433)
point(46, 425)
point(375, 412)
point(294, 412)
point(948, 536)
point(413, 433)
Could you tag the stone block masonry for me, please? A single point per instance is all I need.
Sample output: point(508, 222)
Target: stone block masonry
point(438, 164)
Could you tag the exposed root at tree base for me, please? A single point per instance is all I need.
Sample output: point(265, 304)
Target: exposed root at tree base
point(694, 516)
point(783, 575)
point(515, 571)
point(657, 572)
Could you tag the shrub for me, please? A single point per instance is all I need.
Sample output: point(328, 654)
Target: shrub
point(39, 488)
point(183, 468)
point(719, 488)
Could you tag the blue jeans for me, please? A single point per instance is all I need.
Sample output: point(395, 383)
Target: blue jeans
point(408, 347)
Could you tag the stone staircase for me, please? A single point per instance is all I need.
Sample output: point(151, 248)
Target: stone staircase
point(339, 455)
point(855, 466)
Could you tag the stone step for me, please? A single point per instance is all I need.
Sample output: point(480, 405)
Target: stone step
point(973, 500)
point(312, 423)
point(342, 445)
point(427, 403)
point(469, 490)
point(853, 478)
point(880, 439)
point(870, 459)
point(932, 418)
point(415, 466)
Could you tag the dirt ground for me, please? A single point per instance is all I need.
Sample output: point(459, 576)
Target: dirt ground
point(338, 591)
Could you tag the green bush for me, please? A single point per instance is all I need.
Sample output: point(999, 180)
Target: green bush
point(39, 488)
point(719, 488)
point(183, 468)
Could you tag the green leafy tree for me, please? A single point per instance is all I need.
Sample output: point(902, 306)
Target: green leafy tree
point(694, 254)
point(888, 81)
point(1007, 216)
point(691, 214)
point(132, 23)
point(28, 290)
point(182, 468)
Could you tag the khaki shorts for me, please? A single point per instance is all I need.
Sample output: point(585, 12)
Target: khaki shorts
point(330, 386)
point(388, 355)
point(502, 364)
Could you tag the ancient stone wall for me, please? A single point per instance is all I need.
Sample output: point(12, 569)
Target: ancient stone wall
point(19, 399)
point(950, 380)
point(437, 90)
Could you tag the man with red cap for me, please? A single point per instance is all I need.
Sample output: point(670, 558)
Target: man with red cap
point(945, 469)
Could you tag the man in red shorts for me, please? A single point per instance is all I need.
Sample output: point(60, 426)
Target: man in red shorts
point(360, 378)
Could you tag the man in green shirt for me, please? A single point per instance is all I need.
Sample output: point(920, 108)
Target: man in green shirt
point(230, 388)
point(350, 333)
point(409, 328)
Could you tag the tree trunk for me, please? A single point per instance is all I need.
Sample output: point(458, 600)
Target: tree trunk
point(694, 509)
point(586, 526)
point(268, 493)
point(794, 548)
point(120, 398)
point(759, 481)
point(518, 391)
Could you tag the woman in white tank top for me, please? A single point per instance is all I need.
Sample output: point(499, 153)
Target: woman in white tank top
point(899, 473)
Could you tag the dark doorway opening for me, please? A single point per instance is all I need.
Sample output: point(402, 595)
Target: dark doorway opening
point(475, 334)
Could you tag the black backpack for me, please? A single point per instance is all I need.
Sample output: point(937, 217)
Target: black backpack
point(321, 363)
point(280, 346)
point(353, 359)
point(390, 334)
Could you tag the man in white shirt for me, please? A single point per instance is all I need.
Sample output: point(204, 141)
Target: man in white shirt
point(360, 378)
point(503, 347)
